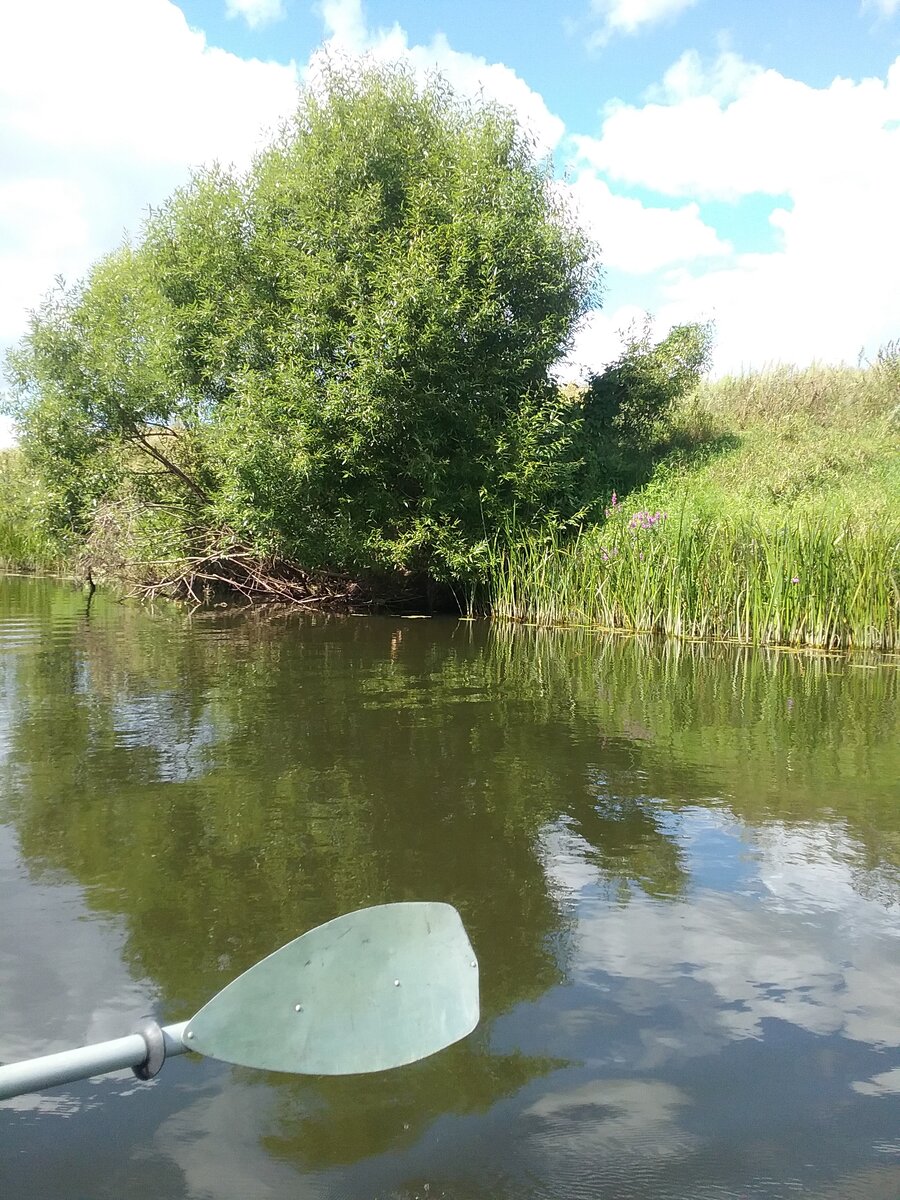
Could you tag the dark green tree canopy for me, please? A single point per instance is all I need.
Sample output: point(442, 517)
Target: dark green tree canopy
point(344, 354)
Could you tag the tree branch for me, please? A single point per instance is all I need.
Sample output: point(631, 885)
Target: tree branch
point(140, 440)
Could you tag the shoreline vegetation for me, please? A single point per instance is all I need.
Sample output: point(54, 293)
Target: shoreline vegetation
point(770, 517)
point(329, 381)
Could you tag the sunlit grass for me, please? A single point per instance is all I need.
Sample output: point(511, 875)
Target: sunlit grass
point(819, 582)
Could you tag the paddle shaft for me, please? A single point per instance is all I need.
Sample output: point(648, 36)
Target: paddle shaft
point(35, 1074)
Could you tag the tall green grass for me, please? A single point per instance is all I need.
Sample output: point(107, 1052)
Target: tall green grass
point(819, 582)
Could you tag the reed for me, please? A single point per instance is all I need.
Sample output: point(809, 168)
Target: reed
point(820, 581)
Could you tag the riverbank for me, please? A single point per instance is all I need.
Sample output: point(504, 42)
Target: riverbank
point(768, 515)
point(771, 516)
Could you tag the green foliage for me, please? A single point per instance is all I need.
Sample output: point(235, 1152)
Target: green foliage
point(420, 282)
point(783, 444)
point(343, 355)
point(26, 537)
point(627, 405)
point(98, 394)
point(886, 371)
point(836, 396)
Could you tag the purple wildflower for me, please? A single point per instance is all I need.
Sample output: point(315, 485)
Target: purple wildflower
point(646, 520)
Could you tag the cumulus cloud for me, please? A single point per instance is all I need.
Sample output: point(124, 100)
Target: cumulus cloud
point(217, 1141)
point(62, 972)
point(638, 238)
point(471, 75)
point(599, 340)
point(128, 80)
point(107, 115)
point(345, 25)
point(774, 958)
point(630, 16)
point(830, 159)
point(43, 222)
point(735, 129)
point(256, 12)
point(630, 1120)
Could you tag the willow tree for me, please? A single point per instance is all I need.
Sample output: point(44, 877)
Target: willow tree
point(345, 354)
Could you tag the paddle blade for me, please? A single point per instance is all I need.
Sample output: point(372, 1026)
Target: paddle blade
point(367, 991)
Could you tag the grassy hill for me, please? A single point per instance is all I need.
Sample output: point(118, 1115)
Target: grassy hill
point(770, 514)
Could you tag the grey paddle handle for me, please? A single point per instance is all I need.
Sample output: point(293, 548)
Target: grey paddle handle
point(144, 1052)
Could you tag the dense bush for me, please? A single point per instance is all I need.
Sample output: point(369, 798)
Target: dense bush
point(769, 516)
point(627, 406)
point(26, 537)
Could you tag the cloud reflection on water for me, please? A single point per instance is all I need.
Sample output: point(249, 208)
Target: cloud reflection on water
point(810, 950)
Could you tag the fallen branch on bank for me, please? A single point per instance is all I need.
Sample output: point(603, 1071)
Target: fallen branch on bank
point(217, 567)
point(237, 573)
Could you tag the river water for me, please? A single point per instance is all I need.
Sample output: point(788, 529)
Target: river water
point(679, 868)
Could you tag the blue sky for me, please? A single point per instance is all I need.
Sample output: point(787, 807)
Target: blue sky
point(736, 161)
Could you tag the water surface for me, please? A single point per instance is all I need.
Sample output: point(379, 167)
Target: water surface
point(679, 867)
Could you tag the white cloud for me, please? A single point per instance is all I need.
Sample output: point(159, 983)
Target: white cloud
point(256, 12)
point(599, 340)
point(629, 16)
point(51, 933)
point(469, 74)
point(128, 81)
point(345, 25)
point(217, 1140)
point(774, 958)
point(640, 239)
point(631, 1119)
point(887, 8)
point(473, 75)
point(41, 221)
point(654, 243)
point(726, 78)
point(831, 285)
point(885, 1084)
point(736, 129)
